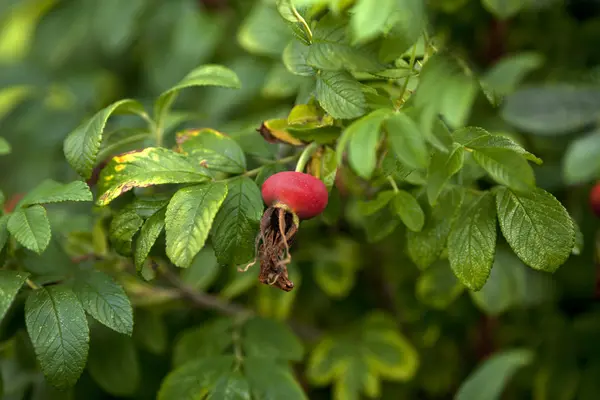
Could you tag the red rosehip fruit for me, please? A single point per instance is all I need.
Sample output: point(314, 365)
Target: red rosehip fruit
point(595, 199)
point(301, 193)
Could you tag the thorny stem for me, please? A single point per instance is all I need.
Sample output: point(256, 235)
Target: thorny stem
point(305, 156)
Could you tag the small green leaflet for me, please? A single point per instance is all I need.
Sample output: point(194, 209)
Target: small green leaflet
point(212, 149)
point(581, 162)
point(113, 362)
point(151, 331)
point(407, 24)
point(263, 31)
point(105, 300)
point(294, 59)
point(490, 378)
point(236, 224)
point(206, 75)
point(441, 168)
point(472, 240)
point(270, 339)
point(362, 138)
point(203, 271)
point(536, 226)
point(30, 227)
point(151, 166)
point(150, 231)
point(407, 141)
point(409, 210)
point(59, 333)
point(195, 379)
point(212, 338)
point(123, 227)
point(478, 139)
point(4, 147)
point(369, 18)
point(189, 218)
point(504, 76)
point(50, 191)
point(424, 247)
point(10, 284)
point(271, 380)
point(232, 386)
point(340, 95)
point(370, 207)
point(506, 167)
point(82, 145)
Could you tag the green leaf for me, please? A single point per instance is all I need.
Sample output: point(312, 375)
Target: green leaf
point(270, 339)
point(506, 167)
point(195, 379)
point(213, 149)
point(294, 59)
point(370, 207)
point(263, 31)
point(409, 210)
point(233, 386)
point(59, 333)
point(3, 230)
point(438, 286)
point(205, 75)
point(151, 166)
point(189, 218)
point(581, 162)
point(512, 285)
point(211, 339)
point(105, 300)
point(331, 50)
point(490, 378)
point(536, 226)
point(5, 147)
point(113, 362)
point(82, 145)
point(407, 141)
point(30, 227)
point(425, 247)
point(505, 76)
point(407, 24)
point(477, 139)
point(10, 284)
point(369, 18)
point(387, 351)
point(123, 228)
point(552, 109)
point(340, 95)
point(50, 191)
point(504, 9)
point(472, 240)
point(269, 380)
point(236, 224)
point(148, 235)
point(362, 137)
point(203, 271)
point(442, 167)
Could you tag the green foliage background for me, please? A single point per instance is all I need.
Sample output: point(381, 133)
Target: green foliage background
point(458, 256)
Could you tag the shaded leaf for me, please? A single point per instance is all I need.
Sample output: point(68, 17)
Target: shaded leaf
point(151, 166)
point(151, 331)
point(203, 271)
point(369, 18)
point(233, 386)
point(294, 59)
point(51, 191)
point(407, 24)
point(5, 147)
point(442, 167)
point(59, 333)
point(504, 8)
point(263, 31)
point(189, 218)
point(438, 286)
point(269, 380)
point(362, 137)
point(270, 339)
point(105, 300)
point(236, 224)
point(536, 226)
point(210, 339)
point(581, 162)
point(407, 141)
point(409, 210)
point(504, 76)
point(150, 231)
point(123, 227)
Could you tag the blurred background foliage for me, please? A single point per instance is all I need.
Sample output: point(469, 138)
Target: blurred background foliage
point(62, 60)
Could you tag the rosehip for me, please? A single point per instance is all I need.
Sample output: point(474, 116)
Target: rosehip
point(303, 194)
point(595, 199)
